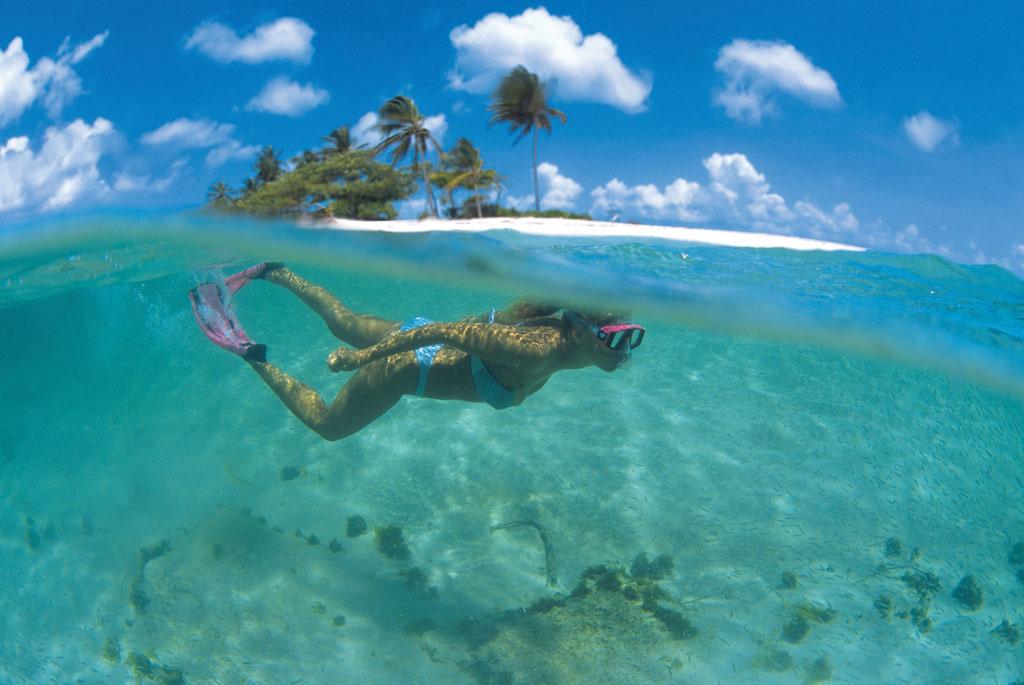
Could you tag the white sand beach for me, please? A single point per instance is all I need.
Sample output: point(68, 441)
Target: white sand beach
point(592, 229)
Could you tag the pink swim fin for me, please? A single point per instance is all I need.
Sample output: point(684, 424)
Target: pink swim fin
point(211, 305)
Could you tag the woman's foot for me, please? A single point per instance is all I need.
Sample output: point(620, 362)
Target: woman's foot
point(236, 282)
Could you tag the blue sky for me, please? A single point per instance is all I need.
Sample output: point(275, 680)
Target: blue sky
point(900, 127)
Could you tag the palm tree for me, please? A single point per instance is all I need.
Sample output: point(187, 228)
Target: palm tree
point(468, 167)
point(268, 166)
point(219, 192)
point(307, 157)
point(338, 141)
point(521, 102)
point(402, 126)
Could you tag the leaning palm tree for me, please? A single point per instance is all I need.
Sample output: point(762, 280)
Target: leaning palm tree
point(268, 166)
point(219, 192)
point(402, 127)
point(468, 167)
point(338, 141)
point(521, 102)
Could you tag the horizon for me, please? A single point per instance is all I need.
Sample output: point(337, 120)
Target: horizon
point(822, 125)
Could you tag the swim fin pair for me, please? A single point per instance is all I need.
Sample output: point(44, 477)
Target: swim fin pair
point(212, 307)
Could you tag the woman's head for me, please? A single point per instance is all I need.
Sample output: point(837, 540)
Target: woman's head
point(603, 340)
point(596, 338)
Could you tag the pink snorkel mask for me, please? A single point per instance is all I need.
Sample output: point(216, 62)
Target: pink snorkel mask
point(621, 337)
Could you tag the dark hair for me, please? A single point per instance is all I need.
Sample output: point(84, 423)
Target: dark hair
point(528, 312)
point(605, 318)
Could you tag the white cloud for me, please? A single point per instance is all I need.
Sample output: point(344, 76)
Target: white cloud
point(82, 50)
point(229, 150)
point(585, 68)
point(437, 125)
point(557, 191)
point(281, 96)
point(676, 201)
point(560, 192)
point(51, 81)
point(755, 71)
point(927, 133)
point(747, 195)
point(190, 133)
point(62, 171)
point(129, 183)
point(287, 38)
point(736, 195)
point(198, 134)
point(365, 133)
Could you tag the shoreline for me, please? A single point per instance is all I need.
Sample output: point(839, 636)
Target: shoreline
point(579, 228)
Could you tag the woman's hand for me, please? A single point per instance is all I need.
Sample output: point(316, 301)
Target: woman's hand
point(343, 359)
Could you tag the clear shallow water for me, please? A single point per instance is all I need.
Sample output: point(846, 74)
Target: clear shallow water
point(788, 413)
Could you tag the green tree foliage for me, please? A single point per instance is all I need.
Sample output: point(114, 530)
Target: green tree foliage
point(350, 184)
point(219, 192)
point(521, 102)
point(268, 166)
point(404, 131)
point(338, 141)
point(307, 157)
point(464, 168)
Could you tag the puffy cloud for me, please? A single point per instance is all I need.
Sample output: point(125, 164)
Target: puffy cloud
point(586, 68)
point(18, 86)
point(129, 183)
point(281, 96)
point(755, 71)
point(229, 150)
point(676, 201)
point(287, 38)
point(437, 125)
point(927, 133)
point(62, 171)
point(198, 134)
point(736, 194)
point(52, 81)
point(560, 192)
point(745, 190)
point(557, 191)
point(365, 133)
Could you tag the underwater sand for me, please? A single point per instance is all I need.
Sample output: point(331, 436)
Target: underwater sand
point(880, 400)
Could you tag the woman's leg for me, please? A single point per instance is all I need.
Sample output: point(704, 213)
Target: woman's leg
point(358, 330)
point(368, 394)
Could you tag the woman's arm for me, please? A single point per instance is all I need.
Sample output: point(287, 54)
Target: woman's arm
point(510, 345)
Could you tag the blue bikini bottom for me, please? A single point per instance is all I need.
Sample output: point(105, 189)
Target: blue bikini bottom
point(487, 387)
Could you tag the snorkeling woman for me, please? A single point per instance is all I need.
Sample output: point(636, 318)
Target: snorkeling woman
point(499, 358)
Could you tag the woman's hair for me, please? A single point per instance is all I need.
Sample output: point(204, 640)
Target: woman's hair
point(529, 312)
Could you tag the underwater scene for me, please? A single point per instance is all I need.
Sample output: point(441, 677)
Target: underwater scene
point(811, 470)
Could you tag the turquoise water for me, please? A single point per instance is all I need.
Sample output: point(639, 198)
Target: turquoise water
point(822, 444)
